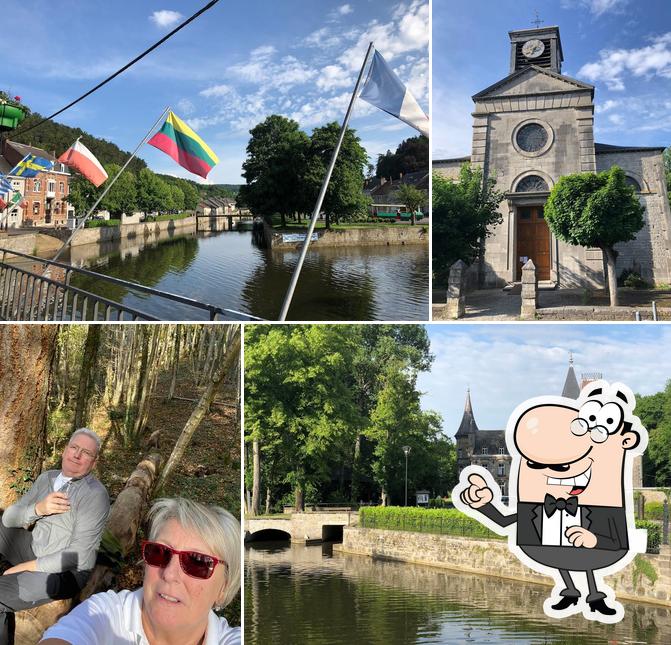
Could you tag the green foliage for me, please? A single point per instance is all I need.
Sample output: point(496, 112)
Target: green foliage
point(122, 197)
point(654, 412)
point(411, 155)
point(7, 98)
point(422, 520)
point(332, 406)
point(170, 216)
point(344, 199)
point(654, 534)
point(102, 223)
point(23, 479)
point(594, 210)
point(654, 510)
point(463, 213)
point(273, 170)
point(412, 198)
point(632, 279)
point(643, 567)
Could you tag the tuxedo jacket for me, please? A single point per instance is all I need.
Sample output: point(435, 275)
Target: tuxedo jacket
point(608, 523)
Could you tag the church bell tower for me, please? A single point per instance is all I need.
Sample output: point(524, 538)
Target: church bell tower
point(540, 47)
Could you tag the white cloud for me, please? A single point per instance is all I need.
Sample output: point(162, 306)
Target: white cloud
point(332, 77)
point(345, 9)
point(322, 38)
point(649, 61)
point(607, 105)
point(165, 18)
point(597, 7)
point(616, 119)
point(186, 107)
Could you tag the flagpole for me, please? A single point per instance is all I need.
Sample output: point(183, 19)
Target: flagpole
point(322, 193)
point(109, 185)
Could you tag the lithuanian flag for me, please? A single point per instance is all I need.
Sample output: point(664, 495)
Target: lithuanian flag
point(179, 141)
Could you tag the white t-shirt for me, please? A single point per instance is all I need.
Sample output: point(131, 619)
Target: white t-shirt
point(112, 618)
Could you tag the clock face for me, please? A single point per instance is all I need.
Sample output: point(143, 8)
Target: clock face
point(533, 48)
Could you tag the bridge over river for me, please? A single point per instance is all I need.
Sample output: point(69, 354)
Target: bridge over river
point(315, 526)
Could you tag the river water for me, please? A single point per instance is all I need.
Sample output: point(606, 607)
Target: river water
point(228, 270)
point(310, 594)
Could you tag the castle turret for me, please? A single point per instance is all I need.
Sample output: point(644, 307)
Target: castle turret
point(466, 434)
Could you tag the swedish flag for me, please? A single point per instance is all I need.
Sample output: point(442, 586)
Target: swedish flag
point(30, 165)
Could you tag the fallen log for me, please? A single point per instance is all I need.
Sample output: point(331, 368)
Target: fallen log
point(124, 520)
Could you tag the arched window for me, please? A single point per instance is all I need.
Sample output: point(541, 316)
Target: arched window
point(532, 184)
point(630, 181)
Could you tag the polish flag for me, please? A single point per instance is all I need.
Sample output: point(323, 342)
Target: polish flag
point(79, 157)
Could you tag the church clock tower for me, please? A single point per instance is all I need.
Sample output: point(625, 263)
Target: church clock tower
point(540, 47)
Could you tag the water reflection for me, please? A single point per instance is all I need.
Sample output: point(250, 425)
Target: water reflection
point(298, 594)
point(226, 269)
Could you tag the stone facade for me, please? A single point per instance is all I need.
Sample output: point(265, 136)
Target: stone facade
point(493, 558)
point(533, 127)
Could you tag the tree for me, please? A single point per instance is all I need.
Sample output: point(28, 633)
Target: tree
point(412, 198)
point(344, 199)
point(26, 359)
point(463, 213)
point(596, 210)
point(122, 197)
point(274, 168)
point(654, 411)
point(411, 155)
point(191, 196)
point(83, 193)
point(150, 191)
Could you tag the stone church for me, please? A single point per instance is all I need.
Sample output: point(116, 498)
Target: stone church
point(529, 129)
point(487, 448)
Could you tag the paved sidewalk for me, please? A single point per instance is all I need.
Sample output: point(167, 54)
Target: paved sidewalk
point(560, 304)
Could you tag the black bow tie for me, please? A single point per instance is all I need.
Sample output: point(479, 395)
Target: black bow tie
point(551, 504)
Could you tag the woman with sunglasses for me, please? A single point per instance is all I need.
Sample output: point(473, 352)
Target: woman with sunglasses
point(192, 564)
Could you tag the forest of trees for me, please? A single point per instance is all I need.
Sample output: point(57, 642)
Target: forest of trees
point(411, 155)
point(328, 410)
point(163, 396)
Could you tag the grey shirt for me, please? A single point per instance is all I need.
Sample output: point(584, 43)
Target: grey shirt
point(64, 541)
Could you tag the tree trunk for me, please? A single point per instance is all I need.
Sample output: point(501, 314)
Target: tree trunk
point(412, 218)
point(175, 363)
point(384, 497)
point(299, 502)
point(611, 255)
point(26, 360)
point(327, 223)
point(232, 356)
point(256, 471)
point(89, 361)
point(268, 500)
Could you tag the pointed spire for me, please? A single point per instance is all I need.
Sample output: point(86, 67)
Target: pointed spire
point(571, 388)
point(467, 425)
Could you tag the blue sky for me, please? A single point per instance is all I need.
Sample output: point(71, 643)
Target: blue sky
point(223, 74)
point(505, 364)
point(623, 47)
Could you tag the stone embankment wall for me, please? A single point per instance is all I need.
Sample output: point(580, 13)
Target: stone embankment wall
point(20, 243)
point(145, 229)
point(390, 235)
point(601, 313)
point(492, 558)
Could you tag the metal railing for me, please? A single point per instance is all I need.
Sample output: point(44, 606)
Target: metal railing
point(27, 295)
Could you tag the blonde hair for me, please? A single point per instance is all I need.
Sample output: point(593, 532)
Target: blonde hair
point(214, 525)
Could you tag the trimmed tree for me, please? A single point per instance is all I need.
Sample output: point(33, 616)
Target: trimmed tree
point(596, 210)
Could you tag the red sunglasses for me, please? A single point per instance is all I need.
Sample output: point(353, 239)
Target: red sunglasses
point(194, 564)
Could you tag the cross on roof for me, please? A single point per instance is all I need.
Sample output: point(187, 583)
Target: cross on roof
point(538, 21)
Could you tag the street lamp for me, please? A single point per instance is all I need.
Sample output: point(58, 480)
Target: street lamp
point(406, 450)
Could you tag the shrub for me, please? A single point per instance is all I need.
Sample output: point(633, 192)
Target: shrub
point(169, 216)
point(632, 279)
point(99, 223)
point(654, 511)
point(411, 518)
point(654, 534)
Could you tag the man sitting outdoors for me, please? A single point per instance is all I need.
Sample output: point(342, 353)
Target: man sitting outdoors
point(51, 535)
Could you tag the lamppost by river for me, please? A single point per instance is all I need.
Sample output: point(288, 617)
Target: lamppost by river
point(406, 450)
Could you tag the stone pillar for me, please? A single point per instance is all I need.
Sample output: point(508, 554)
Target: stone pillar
point(455, 290)
point(529, 291)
